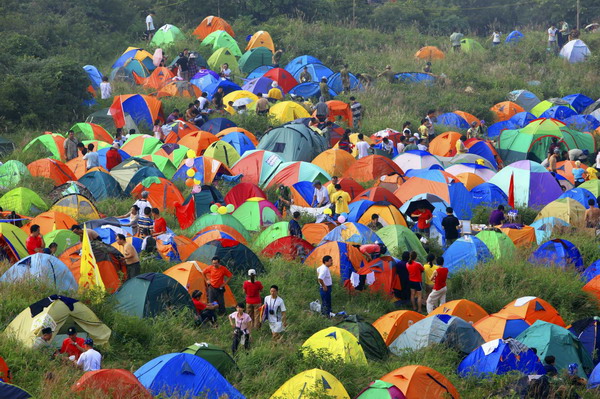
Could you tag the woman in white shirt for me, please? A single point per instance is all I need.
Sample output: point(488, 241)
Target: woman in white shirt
point(225, 71)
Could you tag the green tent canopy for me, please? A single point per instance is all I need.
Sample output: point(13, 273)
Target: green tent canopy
point(499, 244)
point(470, 46)
point(368, 337)
point(177, 154)
point(90, 131)
point(270, 234)
point(23, 201)
point(223, 152)
point(12, 173)
point(166, 35)
point(214, 355)
point(254, 58)
point(398, 238)
point(223, 56)
point(592, 186)
point(221, 39)
point(63, 238)
point(211, 219)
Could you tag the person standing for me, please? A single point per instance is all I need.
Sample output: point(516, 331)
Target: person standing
point(91, 158)
point(362, 147)
point(592, 215)
point(275, 92)
point(284, 199)
point(145, 223)
point(294, 228)
point(455, 39)
point(91, 359)
point(241, 323)
point(160, 224)
point(401, 146)
point(72, 345)
point(34, 242)
point(430, 268)
point(415, 276)
point(218, 276)
point(451, 224)
point(340, 199)
point(425, 216)
point(563, 34)
point(325, 285)
point(305, 76)
point(105, 88)
point(345, 76)
point(324, 89)
point(262, 105)
point(411, 145)
point(356, 109)
point(552, 161)
point(345, 145)
point(430, 117)
point(132, 259)
point(218, 99)
point(473, 131)
point(276, 313)
point(402, 273)
point(276, 58)
point(252, 288)
point(183, 64)
point(322, 109)
point(150, 25)
point(143, 203)
point(388, 74)
point(552, 39)
point(578, 173)
point(438, 294)
point(113, 157)
point(495, 38)
point(331, 187)
point(70, 146)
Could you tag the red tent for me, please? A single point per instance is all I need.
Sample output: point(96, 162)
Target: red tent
point(242, 192)
point(114, 383)
point(289, 248)
point(284, 79)
point(372, 167)
point(377, 194)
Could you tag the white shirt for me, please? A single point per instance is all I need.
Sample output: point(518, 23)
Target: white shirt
point(90, 360)
point(363, 149)
point(105, 90)
point(322, 195)
point(552, 34)
point(142, 204)
point(430, 129)
point(325, 275)
point(598, 160)
point(400, 147)
point(149, 22)
point(422, 147)
point(495, 37)
point(91, 159)
point(226, 72)
point(203, 102)
point(277, 306)
point(387, 147)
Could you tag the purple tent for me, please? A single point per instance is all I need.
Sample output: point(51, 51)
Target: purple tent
point(259, 85)
point(381, 390)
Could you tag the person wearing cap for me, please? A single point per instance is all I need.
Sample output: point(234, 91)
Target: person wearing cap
point(578, 155)
point(72, 346)
point(320, 195)
point(113, 157)
point(473, 131)
point(275, 92)
point(388, 74)
point(276, 312)
point(91, 359)
point(44, 342)
point(324, 89)
point(305, 76)
point(204, 312)
point(218, 276)
point(252, 288)
point(132, 259)
point(143, 203)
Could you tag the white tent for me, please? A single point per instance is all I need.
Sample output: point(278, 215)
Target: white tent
point(575, 51)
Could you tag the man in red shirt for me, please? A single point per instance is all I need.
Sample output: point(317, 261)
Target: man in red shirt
point(113, 158)
point(73, 345)
point(218, 276)
point(424, 221)
point(160, 224)
point(34, 243)
point(415, 279)
point(204, 311)
point(438, 294)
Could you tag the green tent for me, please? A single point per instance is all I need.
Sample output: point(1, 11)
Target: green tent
point(398, 238)
point(256, 212)
point(98, 145)
point(214, 355)
point(12, 173)
point(254, 58)
point(166, 36)
point(45, 146)
point(87, 131)
point(141, 144)
point(270, 234)
point(211, 219)
point(165, 165)
point(293, 142)
point(368, 337)
point(23, 201)
point(151, 294)
point(380, 390)
point(550, 339)
point(177, 154)
point(63, 238)
point(223, 152)
point(221, 39)
point(499, 244)
point(124, 171)
point(592, 186)
point(470, 46)
point(223, 56)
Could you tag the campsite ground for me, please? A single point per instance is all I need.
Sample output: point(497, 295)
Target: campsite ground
point(491, 75)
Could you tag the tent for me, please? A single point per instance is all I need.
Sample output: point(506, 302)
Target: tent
point(91, 131)
point(558, 252)
point(372, 167)
point(505, 110)
point(223, 152)
point(102, 185)
point(378, 194)
point(567, 209)
point(311, 383)
point(191, 276)
point(466, 252)
point(392, 324)
point(47, 145)
point(288, 173)
point(13, 391)
point(256, 212)
point(559, 112)
point(317, 72)
point(421, 382)
point(221, 230)
point(499, 326)
point(270, 234)
point(470, 46)
point(524, 98)
point(59, 313)
point(580, 195)
point(362, 211)
point(591, 271)
point(236, 256)
point(514, 37)
point(488, 194)
point(261, 39)
point(94, 75)
point(415, 77)
point(520, 235)
point(44, 268)
point(531, 308)
point(162, 193)
point(184, 374)
point(223, 56)
point(288, 111)
point(578, 101)
point(310, 90)
point(157, 79)
point(142, 109)
point(352, 233)
point(346, 258)
point(398, 238)
point(284, 79)
point(213, 354)
point(77, 206)
point(416, 159)
point(588, 332)
point(255, 58)
point(126, 170)
point(23, 201)
point(12, 173)
point(114, 383)
point(179, 89)
point(289, 248)
point(300, 61)
point(368, 337)
point(137, 54)
point(217, 125)
point(211, 219)
point(208, 168)
point(540, 108)
point(241, 192)
point(444, 145)
point(336, 86)
point(575, 51)
point(50, 221)
point(467, 310)
point(221, 39)
point(63, 238)
point(337, 343)
point(381, 390)
point(211, 24)
point(499, 244)
point(430, 53)
point(453, 121)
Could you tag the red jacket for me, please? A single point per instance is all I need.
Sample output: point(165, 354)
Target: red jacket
point(113, 158)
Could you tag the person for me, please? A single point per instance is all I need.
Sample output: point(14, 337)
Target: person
point(276, 312)
point(591, 173)
point(344, 143)
point(345, 76)
point(460, 145)
point(276, 58)
point(91, 359)
point(425, 217)
point(364, 79)
point(429, 267)
point(473, 131)
point(241, 323)
point(415, 277)
point(160, 224)
point(218, 99)
point(577, 154)
point(119, 139)
point(294, 228)
point(356, 109)
point(406, 129)
point(275, 92)
point(552, 43)
point(158, 131)
point(284, 199)
point(305, 76)
point(150, 25)
point(562, 35)
point(324, 89)
point(421, 146)
point(51, 250)
point(91, 157)
point(204, 312)
point(173, 116)
point(340, 199)
point(143, 203)
point(549, 362)
point(451, 224)
point(105, 88)
point(427, 67)
point(113, 157)
point(262, 105)
point(402, 273)
point(44, 342)
point(145, 223)
point(331, 187)
point(132, 259)
point(325, 285)
point(455, 39)
point(437, 297)
point(72, 345)
point(495, 38)
point(92, 235)
point(183, 64)
point(423, 129)
point(225, 71)
point(362, 146)
point(34, 242)
point(497, 216)
point(554, 144)
point(189, 115)
point(387, 146)
point(411, 145)
point(321, 110)
point(320, 195)
point(218, 276)
point(252, 288)
point(592, 215)
point(193, 68)
point(375, 224)
point(578, 173)
point(401, 146)
point(388, 74)
point(552, 161)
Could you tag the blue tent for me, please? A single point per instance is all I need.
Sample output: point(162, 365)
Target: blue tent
point(184, 374)
point(483, 150)
point(495, 129)
point(43, 267)
point(335, 82)
point(12, 391)
point(415, 77)
point(102, 156)
point(259, 72)
point(488, 194)
point(591, 271)
point(558, 252)
point(522, 119)
point(305, 189)
point(227, 85)
point(141, 174)
point(578, 101)
point(204, 80)
point(258, 85)
point(514, 37)
point(544, 227)
point(588, 332)
point(215, 125)
point(101, 185)
point(309, 89)
point(360, 234)
point(582, 123)
point(465, 253)
point(299, 62)
point(239, 141)
point(594, 380)
point(122, 60)
point(559, 112)
point(94, 75)
point(461, 200)
point(452, 120)
point(580, 195)
point(346, 266)
point(317, 72)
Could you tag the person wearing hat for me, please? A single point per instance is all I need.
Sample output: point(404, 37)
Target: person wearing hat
point(73, 346)
point(44, 342)
point(275, 92)
point(578, 155)
point(113, 157)
point(305, 76)
point(276, 313)
point(252, 288)
point(324, 89)
point(91, 359)
point(388, 74)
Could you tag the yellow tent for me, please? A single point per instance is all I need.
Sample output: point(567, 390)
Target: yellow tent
point(334, 161)
point(56, 314)
point(311, 384)
point(223, 152)
point(261, 39)
point(287, 111)
point(77, 206)
point(567, 209)
point(338, 342)
point(236, 95)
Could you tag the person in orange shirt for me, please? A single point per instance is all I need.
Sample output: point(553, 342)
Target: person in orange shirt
point(218, 276)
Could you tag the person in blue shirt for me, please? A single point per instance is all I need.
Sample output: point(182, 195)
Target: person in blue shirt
point(578, 173)
point(294, 227)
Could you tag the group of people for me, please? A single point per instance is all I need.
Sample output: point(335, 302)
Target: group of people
point(74, 349)
point(558, 37)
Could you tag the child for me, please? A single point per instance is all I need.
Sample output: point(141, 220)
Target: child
point(430, 268)
point(240, 321)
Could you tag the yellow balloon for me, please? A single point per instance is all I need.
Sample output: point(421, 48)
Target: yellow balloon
point(191, 154)
point(196, 181)
point(222, 210)
point(327, 211)
point(190, 172)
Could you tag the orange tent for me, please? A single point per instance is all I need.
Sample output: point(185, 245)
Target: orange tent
point(430, 53)
point(416, 185)
point(185, 246)
point(211, 24)
point(52, 169)
point(108, 265)
point(209, 236)
point(50, 221)
point(189, 274)
point(179, 130)
point(341, 254)
point(593, 287)
point(261, 39)
point(78, 166)
point(5, 372)
point(246, 133)
point(470, 180)
point(391, 183)
point(314, 232)
point(159, 77)
point(506, 110)
point(531, 308)
point(198, 141)
point(334, 161)
point(114, 383)
point(225, 229)
point(372, 167)
point(341, 109)
point(377, 194)
point(349, 185)
point(494, 326)
point(162, 193)
point(444, 145)
point(417, 382)
point(468, 117)
point(392, 324)
point(523, 237)
point(565, 169)
point(386, 281)
point(179, 88)
point(463, 308)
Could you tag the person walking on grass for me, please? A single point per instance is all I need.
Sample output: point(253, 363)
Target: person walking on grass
point(325, 284)
point(132, 259)
point(241, 323)
point(91, 157)
point(252, 288)
point(218, 276)
point(356, 109)
point(362, 147)
point(150, 25)
point(415, 277)
point(552, 39)
point(437, 297)
point(276, 313)
point(105, 88)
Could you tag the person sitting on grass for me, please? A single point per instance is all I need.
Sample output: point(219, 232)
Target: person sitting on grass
point(91, 359)
point(240, 321)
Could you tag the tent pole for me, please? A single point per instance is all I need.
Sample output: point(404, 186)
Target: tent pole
point(578, 11)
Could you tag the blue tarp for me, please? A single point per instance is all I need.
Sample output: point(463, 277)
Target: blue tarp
point(43, 267)
point(514, 37)
point(94, 75)
point(309, 89)
point(558, 252)
point(415, 77)
point(508, 355)
point(465, 253)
